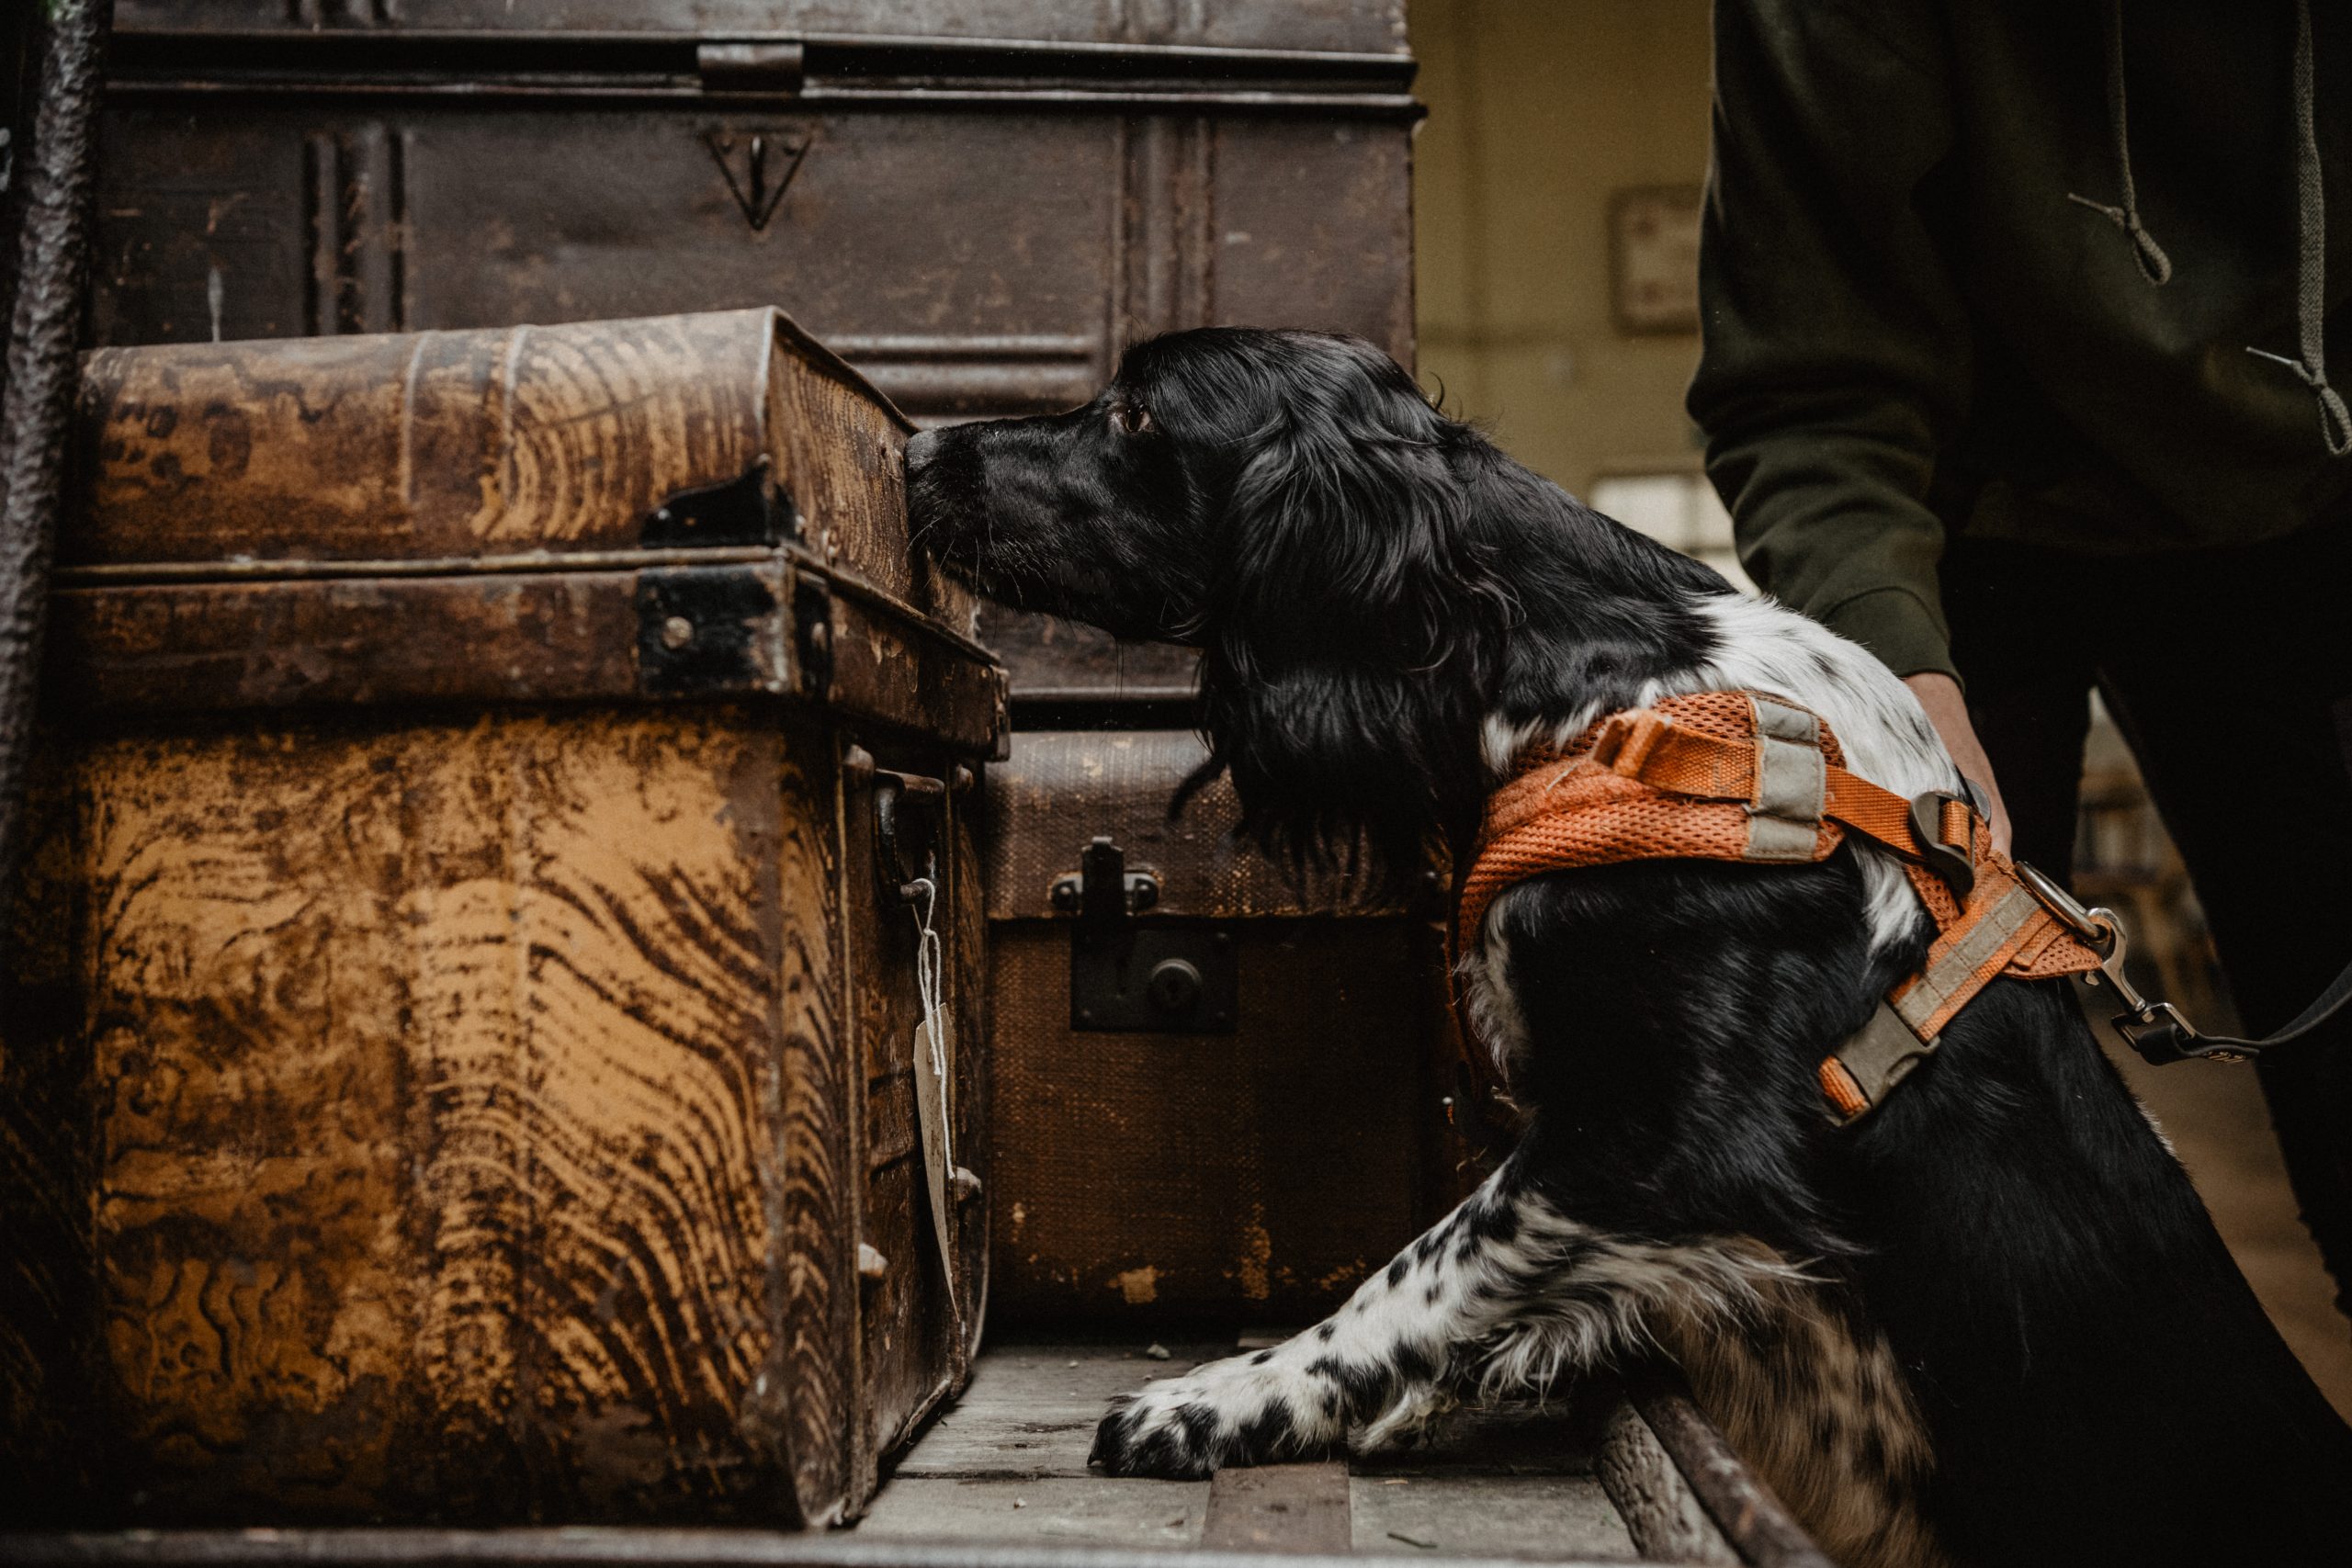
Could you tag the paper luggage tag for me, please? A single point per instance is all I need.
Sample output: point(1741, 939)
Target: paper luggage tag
point(932, 1111)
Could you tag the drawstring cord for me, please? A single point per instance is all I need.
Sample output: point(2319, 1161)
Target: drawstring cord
point(2311, 211)
point(2310, 261)
point(2154, 265)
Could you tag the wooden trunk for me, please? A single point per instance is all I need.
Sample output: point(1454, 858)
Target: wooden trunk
point(1229, 1162)
point(458, 1056)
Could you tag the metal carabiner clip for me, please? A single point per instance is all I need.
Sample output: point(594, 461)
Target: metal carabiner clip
point(2154, 1029)
point(2065, 906)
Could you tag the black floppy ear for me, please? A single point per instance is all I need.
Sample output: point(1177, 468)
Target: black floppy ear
point(1358, 624)
point(1349, 519)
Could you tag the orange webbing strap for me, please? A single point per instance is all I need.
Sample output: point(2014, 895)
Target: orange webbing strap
point(1646, 747)
point(1877, 814)
point(1713, 775)
point(2001, 930)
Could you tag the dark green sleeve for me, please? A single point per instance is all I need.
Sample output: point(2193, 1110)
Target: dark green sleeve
point(1836, 349)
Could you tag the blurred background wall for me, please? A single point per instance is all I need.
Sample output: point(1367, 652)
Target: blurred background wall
point(1555, 189)
point(1554, 213)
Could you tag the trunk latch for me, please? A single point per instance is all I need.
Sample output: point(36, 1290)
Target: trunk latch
point(1102, 893)
point(1132, 976)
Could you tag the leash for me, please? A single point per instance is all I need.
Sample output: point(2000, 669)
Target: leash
point(1742, 776)
point(2159, 1032)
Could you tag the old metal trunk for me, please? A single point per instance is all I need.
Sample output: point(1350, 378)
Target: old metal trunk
point(461, 1058)
point(1221, 1104)
point(978, 205)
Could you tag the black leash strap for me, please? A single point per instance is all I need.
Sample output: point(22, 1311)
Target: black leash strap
point(2160, 1035)
point(2156, 1029)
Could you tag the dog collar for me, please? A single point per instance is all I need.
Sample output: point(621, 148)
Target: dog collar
point(1745, 777)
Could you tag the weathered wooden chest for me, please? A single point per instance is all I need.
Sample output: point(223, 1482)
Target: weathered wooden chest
point(981, 206)
point(463, 1056)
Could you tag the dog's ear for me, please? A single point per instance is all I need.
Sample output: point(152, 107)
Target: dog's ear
point(1348, 518)
point(1358, 626)
point(1341, 766)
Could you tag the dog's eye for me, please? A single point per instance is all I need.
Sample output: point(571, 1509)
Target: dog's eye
point(1133, 417)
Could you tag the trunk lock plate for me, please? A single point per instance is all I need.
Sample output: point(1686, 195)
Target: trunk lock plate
point(1128, 975)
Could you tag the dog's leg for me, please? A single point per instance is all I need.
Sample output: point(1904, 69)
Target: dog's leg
point(1507, 1290)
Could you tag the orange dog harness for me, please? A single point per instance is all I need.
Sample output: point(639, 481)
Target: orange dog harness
point(1741, 776)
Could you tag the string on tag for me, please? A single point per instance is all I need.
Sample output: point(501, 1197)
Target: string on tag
point(927, 967)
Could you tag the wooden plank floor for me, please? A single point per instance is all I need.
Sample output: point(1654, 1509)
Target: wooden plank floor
point(1008, 1464)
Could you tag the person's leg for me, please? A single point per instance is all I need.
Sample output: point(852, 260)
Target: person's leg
point(2229, 685)
point(2025, 659)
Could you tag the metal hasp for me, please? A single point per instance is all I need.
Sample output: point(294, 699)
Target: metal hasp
point(909, 820)
point(745, 510)
point(1132, 977)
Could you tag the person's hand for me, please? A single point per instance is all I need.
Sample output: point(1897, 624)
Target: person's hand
point(1948, 711)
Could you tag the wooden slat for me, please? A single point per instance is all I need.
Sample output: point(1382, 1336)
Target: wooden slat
point(1280, 1508)
point(1452, 1514)
point(1054, 1511)
point(815, 1368)
point(1756, 1523)
point(1661, 1513)
point(1032, 1409)
point(638, 1548)
point(1007, 1461)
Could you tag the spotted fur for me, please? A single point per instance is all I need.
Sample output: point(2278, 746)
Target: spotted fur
point(1507, 1293)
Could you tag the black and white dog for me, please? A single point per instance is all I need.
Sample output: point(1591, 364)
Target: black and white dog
point(1988, 1323)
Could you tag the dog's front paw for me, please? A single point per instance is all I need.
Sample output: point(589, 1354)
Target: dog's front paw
point(1242, 1411)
